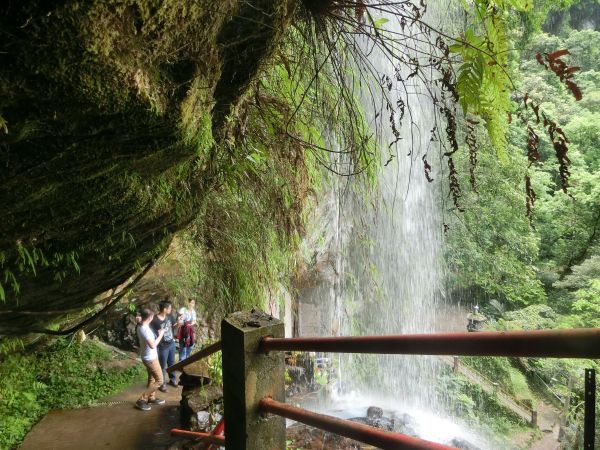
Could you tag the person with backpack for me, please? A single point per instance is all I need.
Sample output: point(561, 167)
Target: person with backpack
point(166, 347)
point(187, 329)
point(149, 355)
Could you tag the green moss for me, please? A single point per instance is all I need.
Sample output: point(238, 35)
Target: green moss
point(534, 317)
point(112, 133)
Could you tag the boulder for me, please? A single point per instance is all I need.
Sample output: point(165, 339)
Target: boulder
point(374, 412)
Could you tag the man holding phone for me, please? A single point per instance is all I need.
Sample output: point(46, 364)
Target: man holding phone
point(164, 321)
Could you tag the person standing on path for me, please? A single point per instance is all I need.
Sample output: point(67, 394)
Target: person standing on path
point(166, 347)
point(149, 355)
point(187, 331)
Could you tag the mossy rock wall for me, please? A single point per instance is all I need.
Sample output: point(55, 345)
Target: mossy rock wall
point(110, 112)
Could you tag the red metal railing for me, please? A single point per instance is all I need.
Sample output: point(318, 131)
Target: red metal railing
point(203, 437)
point(206, 351)
point(353, 430)
point(217, 431)
point(580, 343)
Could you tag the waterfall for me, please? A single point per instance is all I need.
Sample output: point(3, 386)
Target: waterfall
point(383, 270)
point(389, 257)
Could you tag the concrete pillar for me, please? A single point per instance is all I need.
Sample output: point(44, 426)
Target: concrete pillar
point(249, 376)
point(455, 366)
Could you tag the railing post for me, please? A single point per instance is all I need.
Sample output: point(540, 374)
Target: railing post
point(248, 377)
point(589, 423)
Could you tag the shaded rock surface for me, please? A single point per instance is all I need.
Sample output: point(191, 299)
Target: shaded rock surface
point(201, 407)
point(110, 141)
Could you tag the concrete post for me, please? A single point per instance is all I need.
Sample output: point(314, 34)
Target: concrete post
point(534, 418)
point(455, 365)
point(565, 411)
point(249, 376)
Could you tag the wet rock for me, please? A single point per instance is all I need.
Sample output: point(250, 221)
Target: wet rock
point(382, 422)
point(119, 329)
point(462, 444)
point(305, 437)
point(201, 407)
point(295, 373)
point(309, 438)
point(405, 424)
point(374, 412)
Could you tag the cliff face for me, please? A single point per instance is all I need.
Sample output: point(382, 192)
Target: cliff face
point(109, 114)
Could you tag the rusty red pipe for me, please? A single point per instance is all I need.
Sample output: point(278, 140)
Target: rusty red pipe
point(575, 343)
point(218, 430)
point(353, 430)
point(204, 437)
point(206, 351)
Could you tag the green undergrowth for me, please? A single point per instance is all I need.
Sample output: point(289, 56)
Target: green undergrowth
point(500, 370)
point(66, 374)
point(477, 409)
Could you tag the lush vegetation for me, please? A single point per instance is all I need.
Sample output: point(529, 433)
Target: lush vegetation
point(66, 374)
point(494, 251)
point(539, 272)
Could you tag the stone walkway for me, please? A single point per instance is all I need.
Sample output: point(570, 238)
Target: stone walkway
point(116, 425)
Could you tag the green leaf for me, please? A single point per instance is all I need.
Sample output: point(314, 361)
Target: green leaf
point(468, 84)
point(379, 22)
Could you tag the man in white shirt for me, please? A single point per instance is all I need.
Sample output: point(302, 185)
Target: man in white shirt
point(149, 355)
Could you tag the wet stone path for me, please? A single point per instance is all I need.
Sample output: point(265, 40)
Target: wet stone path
point(114, 424)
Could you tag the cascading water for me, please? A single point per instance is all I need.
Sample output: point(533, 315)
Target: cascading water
point(388, 249)
point(401, 290)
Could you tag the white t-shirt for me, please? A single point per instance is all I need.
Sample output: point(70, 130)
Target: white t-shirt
point(189, 315)
point(144, 335)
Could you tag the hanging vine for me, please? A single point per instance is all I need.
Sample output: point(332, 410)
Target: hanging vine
point(469, 69)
